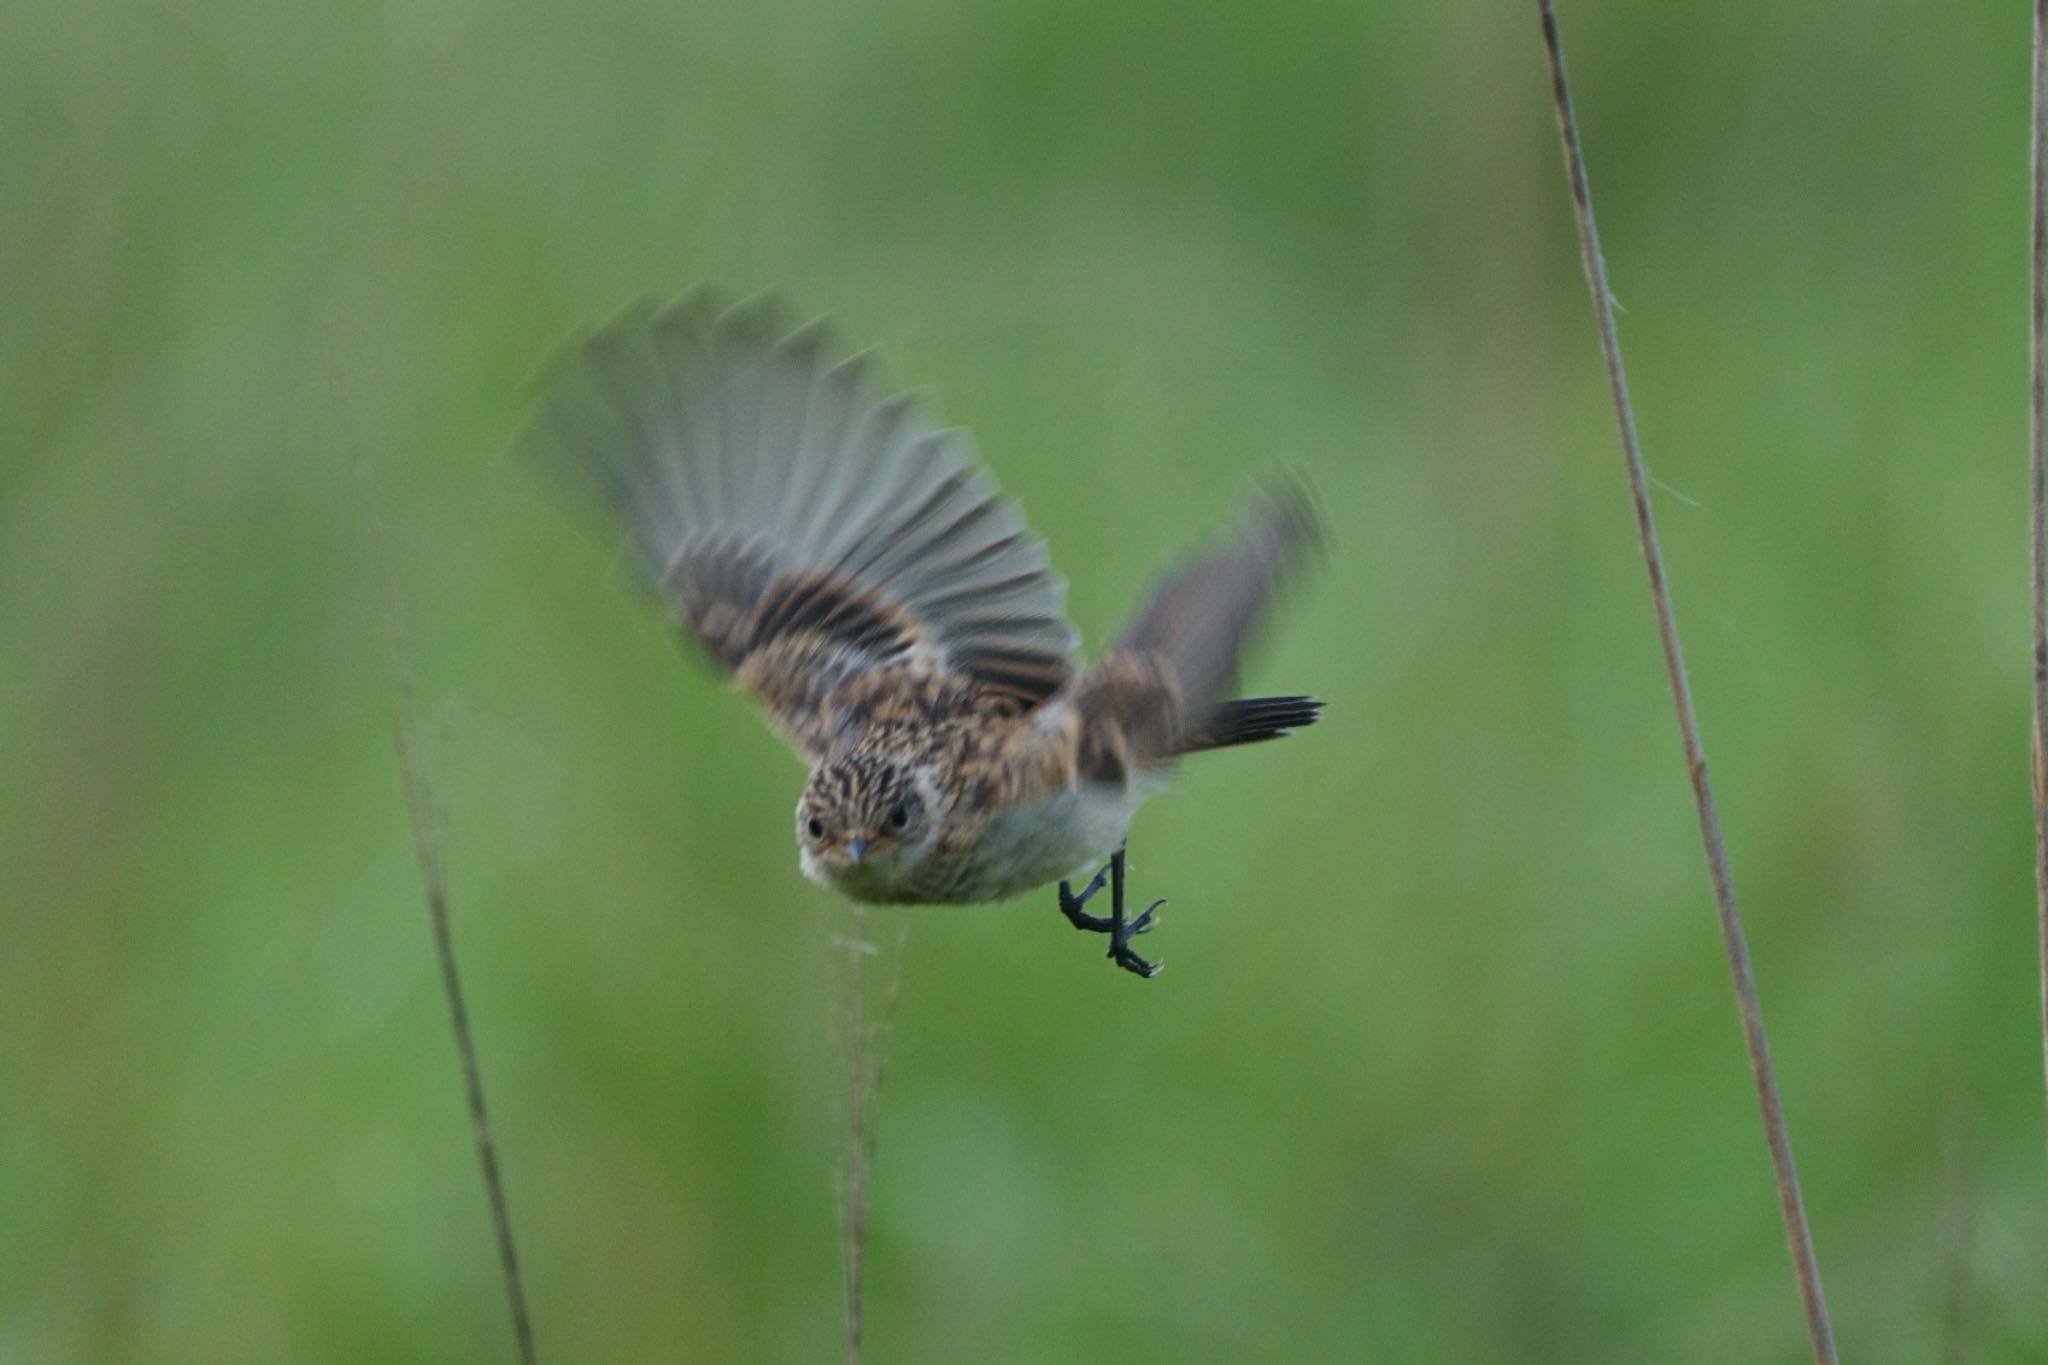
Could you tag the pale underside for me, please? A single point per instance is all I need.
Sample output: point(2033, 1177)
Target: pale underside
point(1066, 833)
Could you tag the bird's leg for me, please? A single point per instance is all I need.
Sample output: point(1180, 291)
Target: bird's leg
point(1120, 930)
point(1071, 903)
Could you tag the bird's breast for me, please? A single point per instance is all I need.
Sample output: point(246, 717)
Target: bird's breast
point(1022, 847)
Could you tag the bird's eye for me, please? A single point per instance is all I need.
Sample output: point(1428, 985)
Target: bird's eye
point(899, 818)
point(816, 827)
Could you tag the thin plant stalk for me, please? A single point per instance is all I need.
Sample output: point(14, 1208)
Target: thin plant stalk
point(1734, 942)
point(426, 832)
point(2037, 450)
point(854, 1251)
point(867, 1063)
point(426, 841)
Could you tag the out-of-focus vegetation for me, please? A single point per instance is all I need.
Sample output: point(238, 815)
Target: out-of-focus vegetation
point(1444, 1066)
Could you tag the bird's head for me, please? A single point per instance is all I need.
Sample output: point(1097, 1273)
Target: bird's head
point(864, 824)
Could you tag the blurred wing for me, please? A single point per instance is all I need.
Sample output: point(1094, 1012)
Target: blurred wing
point(804, 529)
point(1162, 689)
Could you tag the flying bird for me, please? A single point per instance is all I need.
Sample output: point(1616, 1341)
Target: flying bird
point(845, 560)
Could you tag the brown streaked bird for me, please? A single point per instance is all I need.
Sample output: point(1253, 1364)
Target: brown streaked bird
point(845, 560)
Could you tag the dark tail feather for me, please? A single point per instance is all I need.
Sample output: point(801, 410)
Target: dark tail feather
point(1251, 720)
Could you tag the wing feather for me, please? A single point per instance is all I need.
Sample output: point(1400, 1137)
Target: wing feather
point(804, 527)
point(1162, 688)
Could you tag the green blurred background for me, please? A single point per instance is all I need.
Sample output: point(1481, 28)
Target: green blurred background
point(1445, 1065)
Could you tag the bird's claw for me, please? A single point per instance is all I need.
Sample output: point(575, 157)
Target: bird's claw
point(1071, 903)
point(1120, 930)
point(1123, 956)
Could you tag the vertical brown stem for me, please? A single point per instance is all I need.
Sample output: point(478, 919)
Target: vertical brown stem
point(2037, 450)
point(427, 848)
point(857, 1131)
point(867, 1066)
point(1734, 942)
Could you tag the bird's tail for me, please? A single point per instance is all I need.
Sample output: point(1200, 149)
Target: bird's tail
point(1163, 687)
point(1251, 720)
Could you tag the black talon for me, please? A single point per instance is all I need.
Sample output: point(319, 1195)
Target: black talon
point(1131, 962)
point(1070, 904)
point(1148, 921)
point(1095, 884)
point(1120, 930)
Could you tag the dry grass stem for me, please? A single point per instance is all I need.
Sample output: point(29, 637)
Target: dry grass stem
point(2037, 451)
point(1791, 1206)
point(426, 832)
point(867, 1060)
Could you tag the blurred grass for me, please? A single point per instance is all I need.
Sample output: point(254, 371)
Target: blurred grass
point(1445, 1066)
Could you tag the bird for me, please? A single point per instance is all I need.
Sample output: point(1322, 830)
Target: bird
point(844, 558)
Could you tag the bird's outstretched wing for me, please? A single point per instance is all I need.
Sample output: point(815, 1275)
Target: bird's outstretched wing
point(1162, 689)
point(804, 528)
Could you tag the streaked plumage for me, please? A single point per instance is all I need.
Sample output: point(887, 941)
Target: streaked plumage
point(846, 561)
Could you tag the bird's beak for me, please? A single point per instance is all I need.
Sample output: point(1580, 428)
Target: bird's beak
point(855, 848)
